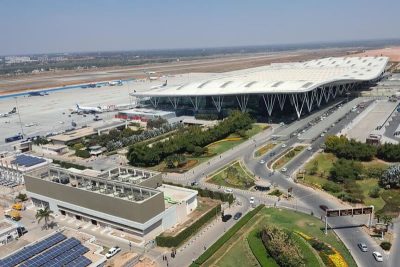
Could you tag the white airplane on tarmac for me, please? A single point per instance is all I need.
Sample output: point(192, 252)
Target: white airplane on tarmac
point(88, 110)
point(13, 111)
point(160, 86)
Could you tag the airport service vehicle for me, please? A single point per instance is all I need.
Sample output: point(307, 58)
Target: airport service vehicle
point(14, 138)
point(262, 161)
point(237, 216)
point(252, 200)
point(362, 247)
point(377, 256)
point(113, 251)
point(228, 191)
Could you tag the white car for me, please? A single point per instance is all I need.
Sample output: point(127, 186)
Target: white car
point(309, 148)
point(262, 161)
point(252, 200)
point(363, 247)
point(113, 251)
point(228, 191)
point(283, 170)
point(377, 256)
point(283, 145)
point(322, 135)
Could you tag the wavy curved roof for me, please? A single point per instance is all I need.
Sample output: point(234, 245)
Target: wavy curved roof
point(294, 77)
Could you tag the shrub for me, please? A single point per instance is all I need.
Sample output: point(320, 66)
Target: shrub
point(331, 187)
point(386, 245)
point(391, 177)
point(374, 192)
point(281, 246)
point(276, 192)
point(68, 165)
point(82, 154)
point(78, 146)
point(175, 241)
point(343, 170)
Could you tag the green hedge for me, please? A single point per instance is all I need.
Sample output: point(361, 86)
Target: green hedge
point(259, 251)
point(175, 241)
point(223, 239)
point(67, 165)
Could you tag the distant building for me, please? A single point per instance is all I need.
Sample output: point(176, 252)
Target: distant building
point(16, 59)
point(142, 114)
point(8, 231)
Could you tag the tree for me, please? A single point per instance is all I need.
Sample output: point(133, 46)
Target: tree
point(343, 170)
point(387, 220)
point(45, 214)
point(21, 197)
point(374, 192)
point(391, 177)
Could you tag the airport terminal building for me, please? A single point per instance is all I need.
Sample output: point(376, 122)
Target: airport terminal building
point(297, 87)
point(127, 199)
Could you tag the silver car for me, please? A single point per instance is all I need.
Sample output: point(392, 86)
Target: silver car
point(363, 247)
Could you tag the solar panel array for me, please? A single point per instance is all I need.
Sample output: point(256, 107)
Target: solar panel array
point(53, 251)
point(79, 262)
point(27, 161)
point(30, 251)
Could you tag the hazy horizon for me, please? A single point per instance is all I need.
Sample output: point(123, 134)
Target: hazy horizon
point(36, 27)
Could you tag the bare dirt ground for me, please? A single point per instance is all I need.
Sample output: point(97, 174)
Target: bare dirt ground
point(222, 64)
point(392, 52)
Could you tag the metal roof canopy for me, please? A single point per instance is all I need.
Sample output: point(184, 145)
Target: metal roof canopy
point(280, 78)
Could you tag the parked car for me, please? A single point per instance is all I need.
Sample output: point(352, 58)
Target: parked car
point(113, 251)
point(226, 217)
point(363, 247)
point(378, 256)
point(228, 191)
point(284, 170)
point(237, 216)
point(262, 161)
point(283, 145)
point(252, 200)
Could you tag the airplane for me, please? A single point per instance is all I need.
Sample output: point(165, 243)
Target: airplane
point(13, 111)
point(87, 110)
point(37, 93)
point(160, 86)
point(113, 83)
point(31, 124)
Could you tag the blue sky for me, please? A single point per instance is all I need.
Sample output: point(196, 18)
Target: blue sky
point(42, 26)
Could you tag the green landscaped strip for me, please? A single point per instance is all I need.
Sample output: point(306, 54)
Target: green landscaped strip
point(222, 240)
point(264, 149)
point(288, 156)
point(259, 250)
point(233, 175)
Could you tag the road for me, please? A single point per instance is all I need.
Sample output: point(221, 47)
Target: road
point(347, 228)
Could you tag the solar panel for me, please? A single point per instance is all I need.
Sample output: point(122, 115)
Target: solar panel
point(30, 251)
point(79, 262)
point(68, 256)
point(51, 253)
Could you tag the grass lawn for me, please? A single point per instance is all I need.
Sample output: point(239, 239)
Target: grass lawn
point(366, 186)
point(264, 149)
point(233, 175)
point(235, 249)
point(282, 161)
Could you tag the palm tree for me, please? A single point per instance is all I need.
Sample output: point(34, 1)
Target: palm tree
point(45, 214)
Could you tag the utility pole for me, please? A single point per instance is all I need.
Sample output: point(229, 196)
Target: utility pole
point(19, 117)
